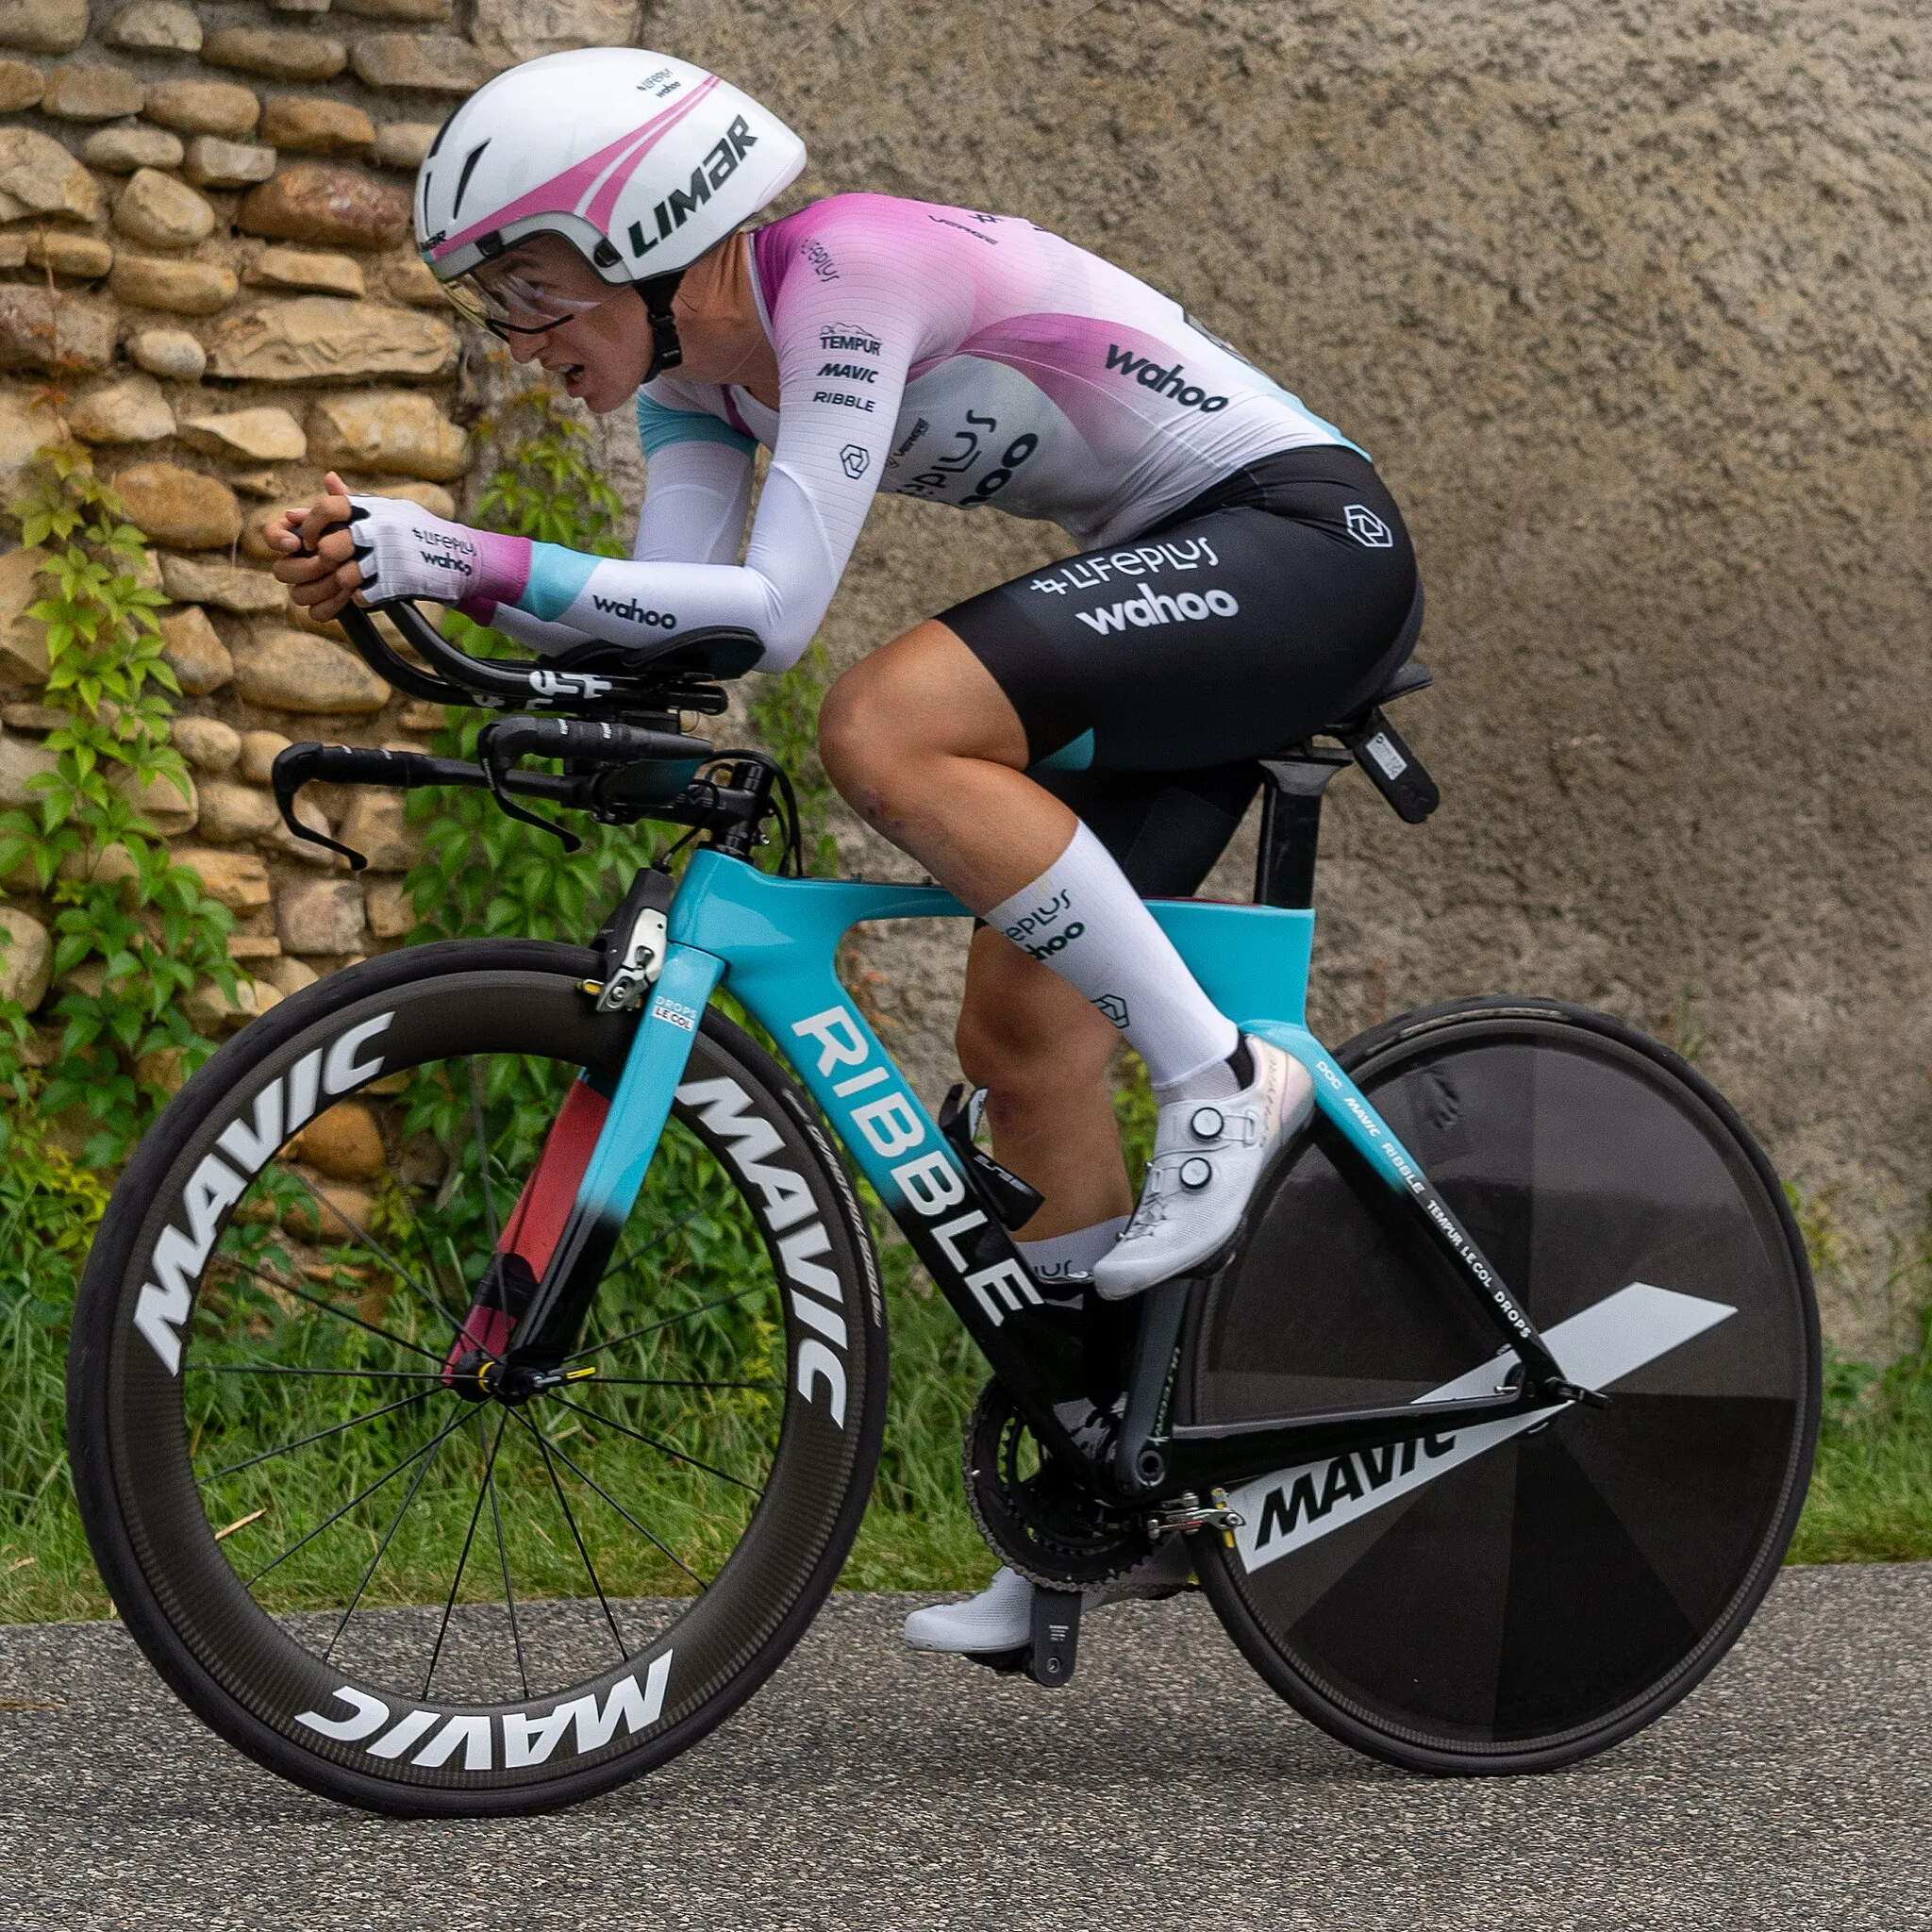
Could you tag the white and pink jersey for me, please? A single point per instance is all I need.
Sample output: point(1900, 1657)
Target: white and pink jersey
point(934, 352)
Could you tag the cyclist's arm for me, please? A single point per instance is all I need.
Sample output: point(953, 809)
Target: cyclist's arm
point(830, 453)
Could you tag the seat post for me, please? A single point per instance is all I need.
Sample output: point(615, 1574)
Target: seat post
point(1291, 823)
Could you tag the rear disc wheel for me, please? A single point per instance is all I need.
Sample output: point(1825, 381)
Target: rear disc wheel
point(1513, 1597)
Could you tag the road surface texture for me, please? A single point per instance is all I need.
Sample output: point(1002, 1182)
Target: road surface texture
point(1166, 1788)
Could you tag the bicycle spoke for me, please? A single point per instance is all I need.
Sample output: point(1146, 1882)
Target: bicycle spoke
point(456, 1582)
point(509, 1601)
point(449, 1428)
point(376, 1248)
point(652, 1327)
point(301, 1294)
point(663, 1448)
point(569, 1462)
point(657, 1242)
point(482, 1152)
point(334, 1429)
point(395, 1523)
point(359, 1375)
point(672, 1382)
point(576, 1537)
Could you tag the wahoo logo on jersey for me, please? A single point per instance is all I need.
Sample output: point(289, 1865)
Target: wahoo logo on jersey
point(1162, 381)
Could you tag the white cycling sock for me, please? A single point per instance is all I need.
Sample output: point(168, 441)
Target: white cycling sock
point(1063, 1262)
point(1083, 919)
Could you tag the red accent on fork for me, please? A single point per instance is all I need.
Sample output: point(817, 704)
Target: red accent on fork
point(535, 1224)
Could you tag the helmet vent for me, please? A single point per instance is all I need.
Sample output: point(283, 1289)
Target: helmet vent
point(469, 161)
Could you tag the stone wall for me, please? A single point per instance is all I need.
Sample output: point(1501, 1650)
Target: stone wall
point(1628, 300)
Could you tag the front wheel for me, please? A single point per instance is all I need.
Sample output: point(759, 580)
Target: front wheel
point(1511, 1597)
point(356, 1563)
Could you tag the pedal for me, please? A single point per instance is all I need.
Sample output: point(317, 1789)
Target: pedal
point(1055, 1636)
point(1011, 1200)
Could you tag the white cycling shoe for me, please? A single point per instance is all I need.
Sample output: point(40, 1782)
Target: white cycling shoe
point(1001, 1616)
point(1208, 1155)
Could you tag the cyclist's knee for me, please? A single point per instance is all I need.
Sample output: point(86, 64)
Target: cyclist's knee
point(1014, 1046)
point(860, 739)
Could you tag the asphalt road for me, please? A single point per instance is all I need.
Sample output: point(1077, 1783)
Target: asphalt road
point(869, 1789)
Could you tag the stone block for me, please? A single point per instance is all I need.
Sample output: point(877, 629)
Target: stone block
point(377, 826)
point(427, 64)
point(26, 957)
point(392, 432)
point(213, 162)
point(168, 803)
point(111, 865)
point(392, 913)
point(42, 27)
point(131, 410)
point(207, 742)
point(305, 338)
point(34, 719)
point(122, 150)
point(180, 288)
point(253, 945)
point(314, 124)
point(508, 31)
point(86, 257)
point(204, 107)
point(259, 750)
point(424, 12)
point(26, 425)
point(92, 91)
point(288, 976)
point(195, 653)
point(154, 26)
point(265, 435)
point(238, 879)
point(209, 1009)
point(39, 330)
point(320, 916)
point(171, 352)
point(306, 851)
point(331, 1213)
point(247, 592)
point(304, 267)
point(336, 207)
point(419, 715)
point(231, 812)
point(21, 86)
point(180, 507)
point(410, 280)
point(38, 176)
point(430, 497)
point(344, 1143)
point(161, 211)
point(23, 638)
point(20, 763)
point(290, 671)
point(281, 53)
point(405, 144)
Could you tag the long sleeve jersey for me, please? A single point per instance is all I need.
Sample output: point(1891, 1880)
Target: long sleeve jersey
point(936, 352)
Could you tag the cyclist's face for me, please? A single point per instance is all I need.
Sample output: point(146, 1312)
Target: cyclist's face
point(563, 316)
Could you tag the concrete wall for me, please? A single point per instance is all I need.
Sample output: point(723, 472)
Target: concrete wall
point(1628, 301)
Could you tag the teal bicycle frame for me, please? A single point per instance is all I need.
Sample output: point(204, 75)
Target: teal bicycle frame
point(772, 941)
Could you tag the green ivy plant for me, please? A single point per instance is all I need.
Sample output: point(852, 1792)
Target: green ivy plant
point(135, 930)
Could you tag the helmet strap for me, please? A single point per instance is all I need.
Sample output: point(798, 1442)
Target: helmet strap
point(657, 294)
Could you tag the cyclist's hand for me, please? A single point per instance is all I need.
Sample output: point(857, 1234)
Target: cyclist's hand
point(323, 576)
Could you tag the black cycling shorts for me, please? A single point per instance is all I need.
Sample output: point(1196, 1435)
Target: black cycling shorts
point(1150, 677)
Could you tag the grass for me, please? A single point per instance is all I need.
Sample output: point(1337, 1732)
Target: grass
point(1870, 1495)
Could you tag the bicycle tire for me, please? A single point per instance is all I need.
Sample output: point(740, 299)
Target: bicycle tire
point(1518, 1598)
point(242, 1645)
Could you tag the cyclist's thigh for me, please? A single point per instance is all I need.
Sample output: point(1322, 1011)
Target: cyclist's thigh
point(1215, 640)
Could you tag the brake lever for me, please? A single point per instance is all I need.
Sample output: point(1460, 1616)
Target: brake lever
point(294, 767)
point(496, 766)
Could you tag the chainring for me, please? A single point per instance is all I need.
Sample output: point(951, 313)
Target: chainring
point(1046, 1525)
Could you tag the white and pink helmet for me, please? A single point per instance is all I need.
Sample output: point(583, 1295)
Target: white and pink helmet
point(640, 160)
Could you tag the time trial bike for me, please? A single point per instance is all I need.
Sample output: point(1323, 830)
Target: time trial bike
point(502, 1465)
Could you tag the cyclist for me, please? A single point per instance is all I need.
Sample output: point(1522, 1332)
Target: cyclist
point(1050, 750)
